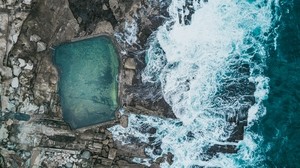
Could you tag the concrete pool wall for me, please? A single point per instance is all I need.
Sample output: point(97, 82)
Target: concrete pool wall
point(88, 88)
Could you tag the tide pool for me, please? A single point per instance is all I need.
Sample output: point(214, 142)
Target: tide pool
point(88, 87)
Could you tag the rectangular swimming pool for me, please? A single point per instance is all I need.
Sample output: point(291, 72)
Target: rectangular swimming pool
point(88, 86)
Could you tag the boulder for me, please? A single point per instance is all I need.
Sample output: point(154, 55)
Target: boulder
point(130, 63)
point(41, 46)
point(15, 82)
point(22, 62)
point(112, 154)
point(86, 155)
point(103, 27)
point(124, 121)
point(35, 38)
point(129, 74)
point(16, 70)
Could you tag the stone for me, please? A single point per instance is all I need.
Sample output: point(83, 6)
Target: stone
point(27, 2)
point(9, 122)
point(86, 155)
point(16, 70)
point(106, 162)
point(104, 7)
point(15, 82)
point(103, 27)
point(129, 74)
point(97, 145)
point(130, 63)
point(29, 66)
point(3, 133)
point(69, 165)
point(35, 38)
point(105, 142)
point(124, 121)
point(22, 62)
point(4, 102)
point(41, 46)
point(113, 4)
point(112, 154)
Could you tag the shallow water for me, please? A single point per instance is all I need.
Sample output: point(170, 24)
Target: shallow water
point(88, 86)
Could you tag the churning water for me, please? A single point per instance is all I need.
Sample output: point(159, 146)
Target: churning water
point(224, 59)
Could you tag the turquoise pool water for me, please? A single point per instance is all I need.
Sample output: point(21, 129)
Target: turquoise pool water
point(88, 87)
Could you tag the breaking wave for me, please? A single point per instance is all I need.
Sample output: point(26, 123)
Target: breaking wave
point(209, 59)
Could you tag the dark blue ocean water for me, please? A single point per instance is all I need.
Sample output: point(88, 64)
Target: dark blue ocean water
point(280, 126)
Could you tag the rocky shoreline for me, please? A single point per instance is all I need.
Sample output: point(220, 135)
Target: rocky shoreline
point(32, 130)
point(33, 133)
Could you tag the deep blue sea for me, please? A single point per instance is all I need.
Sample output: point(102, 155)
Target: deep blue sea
point(280, 127)
point(231, 56)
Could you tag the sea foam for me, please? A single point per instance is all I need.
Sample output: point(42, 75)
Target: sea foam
point(192, 62)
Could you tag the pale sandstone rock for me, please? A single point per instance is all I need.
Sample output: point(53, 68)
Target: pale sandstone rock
point(103, 27)
point(22, 62)
point(16, 70)
point(113, 4)
point(27, 2)
point(15, 82)
point(29, 66)
point(41, 46)
point(124, 121)
point(129, 74)
point(3, 132)
point(130, 63)
point(112, 154)
point(105, 142)
point(4, 102)
point(104, 7)
point(35, 38)
point(9, 122)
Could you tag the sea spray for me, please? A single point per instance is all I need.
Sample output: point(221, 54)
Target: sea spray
point(193, 62)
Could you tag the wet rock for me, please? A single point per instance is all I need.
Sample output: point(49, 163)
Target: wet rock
point(124, 121)
point(41, 46)
point(112, 154)
point(130, 64)
point(86, 155)
point(15, 82)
